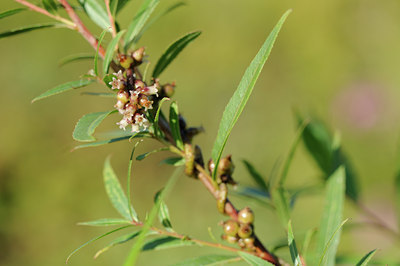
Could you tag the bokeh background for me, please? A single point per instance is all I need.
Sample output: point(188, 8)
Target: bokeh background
point(337, 59)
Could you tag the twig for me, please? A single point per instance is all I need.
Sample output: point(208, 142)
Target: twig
point(35, 8)
point(111, 18)
point(81, 28)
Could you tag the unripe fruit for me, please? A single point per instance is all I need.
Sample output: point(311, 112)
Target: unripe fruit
point(138, 54)
point(245, 231)
point(225, 166)
point(249, 242)
point(241, 243)
point(123, 96)
point(125, 61)
point(246, 216)
point(231, 228)
point(230, 239)
point(169, 90)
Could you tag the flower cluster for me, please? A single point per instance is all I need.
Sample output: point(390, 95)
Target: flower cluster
point(134, 99)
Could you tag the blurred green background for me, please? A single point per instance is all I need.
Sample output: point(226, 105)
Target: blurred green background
point(336, 59)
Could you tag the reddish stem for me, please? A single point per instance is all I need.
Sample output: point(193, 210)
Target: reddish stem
point(110, 17)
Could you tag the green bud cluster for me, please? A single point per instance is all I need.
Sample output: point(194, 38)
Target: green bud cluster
point(240, 231)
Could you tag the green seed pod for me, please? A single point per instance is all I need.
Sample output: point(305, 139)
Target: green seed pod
point(230, 239)
point(249, 242)
point(189, 159)
point(123, 96)
point(231, 227)
point(245, 231)
point(246, 216)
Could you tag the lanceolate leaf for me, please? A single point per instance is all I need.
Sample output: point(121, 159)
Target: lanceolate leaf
point(336, 233)
point(157, 131)
point(175, 161)
point(86, 126)
point(172, 52)
point(242, 93)
point(106, 222)
point(153, 20)
point(253, 260)
point(63, 88)
point(94, 239)
point(281, 201)
point(163, 214)
point(110, 51)
point(11, 12)
point(137, 247)
point(139, 21)
point(331, 217)
point(145, 155)
point(29, 28)
point(115, 192)
point(117, 5)
point(174, 124)
point(292, 246)
point(257, 177)
point(108, 141)
point(208, 260)
point(364, 261)
point(117, 241)
point(96, 12)
point(50, 6)
point(73, 58)
point(96, 57)
point(101, 94)
point(166, 242)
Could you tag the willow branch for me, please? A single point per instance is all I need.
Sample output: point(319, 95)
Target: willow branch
point(35, 8)
point(81, 28)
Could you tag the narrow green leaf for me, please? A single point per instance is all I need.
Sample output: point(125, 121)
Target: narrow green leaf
point(118, 241)
point(259, 197)
point(29, 28)
point(292, 246)
point(108, 141)
point(106, 222)
point(94, 239)
point(289, 157)
point(242, 93)
point(257, 177)
point(157, 130)
point(175, 161)
point(101, 94)
point(50, 6)
point(253, 260)
point(164, 217)
point(208, 260)
point(322, 260)
point(280, 198)
point(165, 243)
point(63, 88)
point(173, 51)
point(137, 247)
point(86, 126)
point(306, 242)
point(11, 12)
point(115, 192)
point(128, 179)
point(117, 5)
point(96, 12)
point(331, 217)
point(153, 20)
point(96, 57)
point(139, 21)
point(73, 58)
point(110, 51)
point(145, 155)
point(174, 124)
point(364, 261)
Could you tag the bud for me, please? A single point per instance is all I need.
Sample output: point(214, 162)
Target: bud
point(249, 242)
point(230, 239)
point(169, 89)
point(138, 54)
point(246, 216)
point(245, 231)
point(125, 61)
point(225, 166)
point(123, 96)
point(139, 84)
point(241, 243)
point(231, 227)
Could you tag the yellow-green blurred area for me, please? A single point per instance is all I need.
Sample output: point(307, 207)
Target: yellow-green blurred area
point(337, 59)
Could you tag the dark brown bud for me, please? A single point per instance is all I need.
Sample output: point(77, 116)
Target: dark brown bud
point(198, 156)
point(225, 166)
point(246, 216)
point(231, 228)
point(169, 89)
point(245, 230)
point(138, 54)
